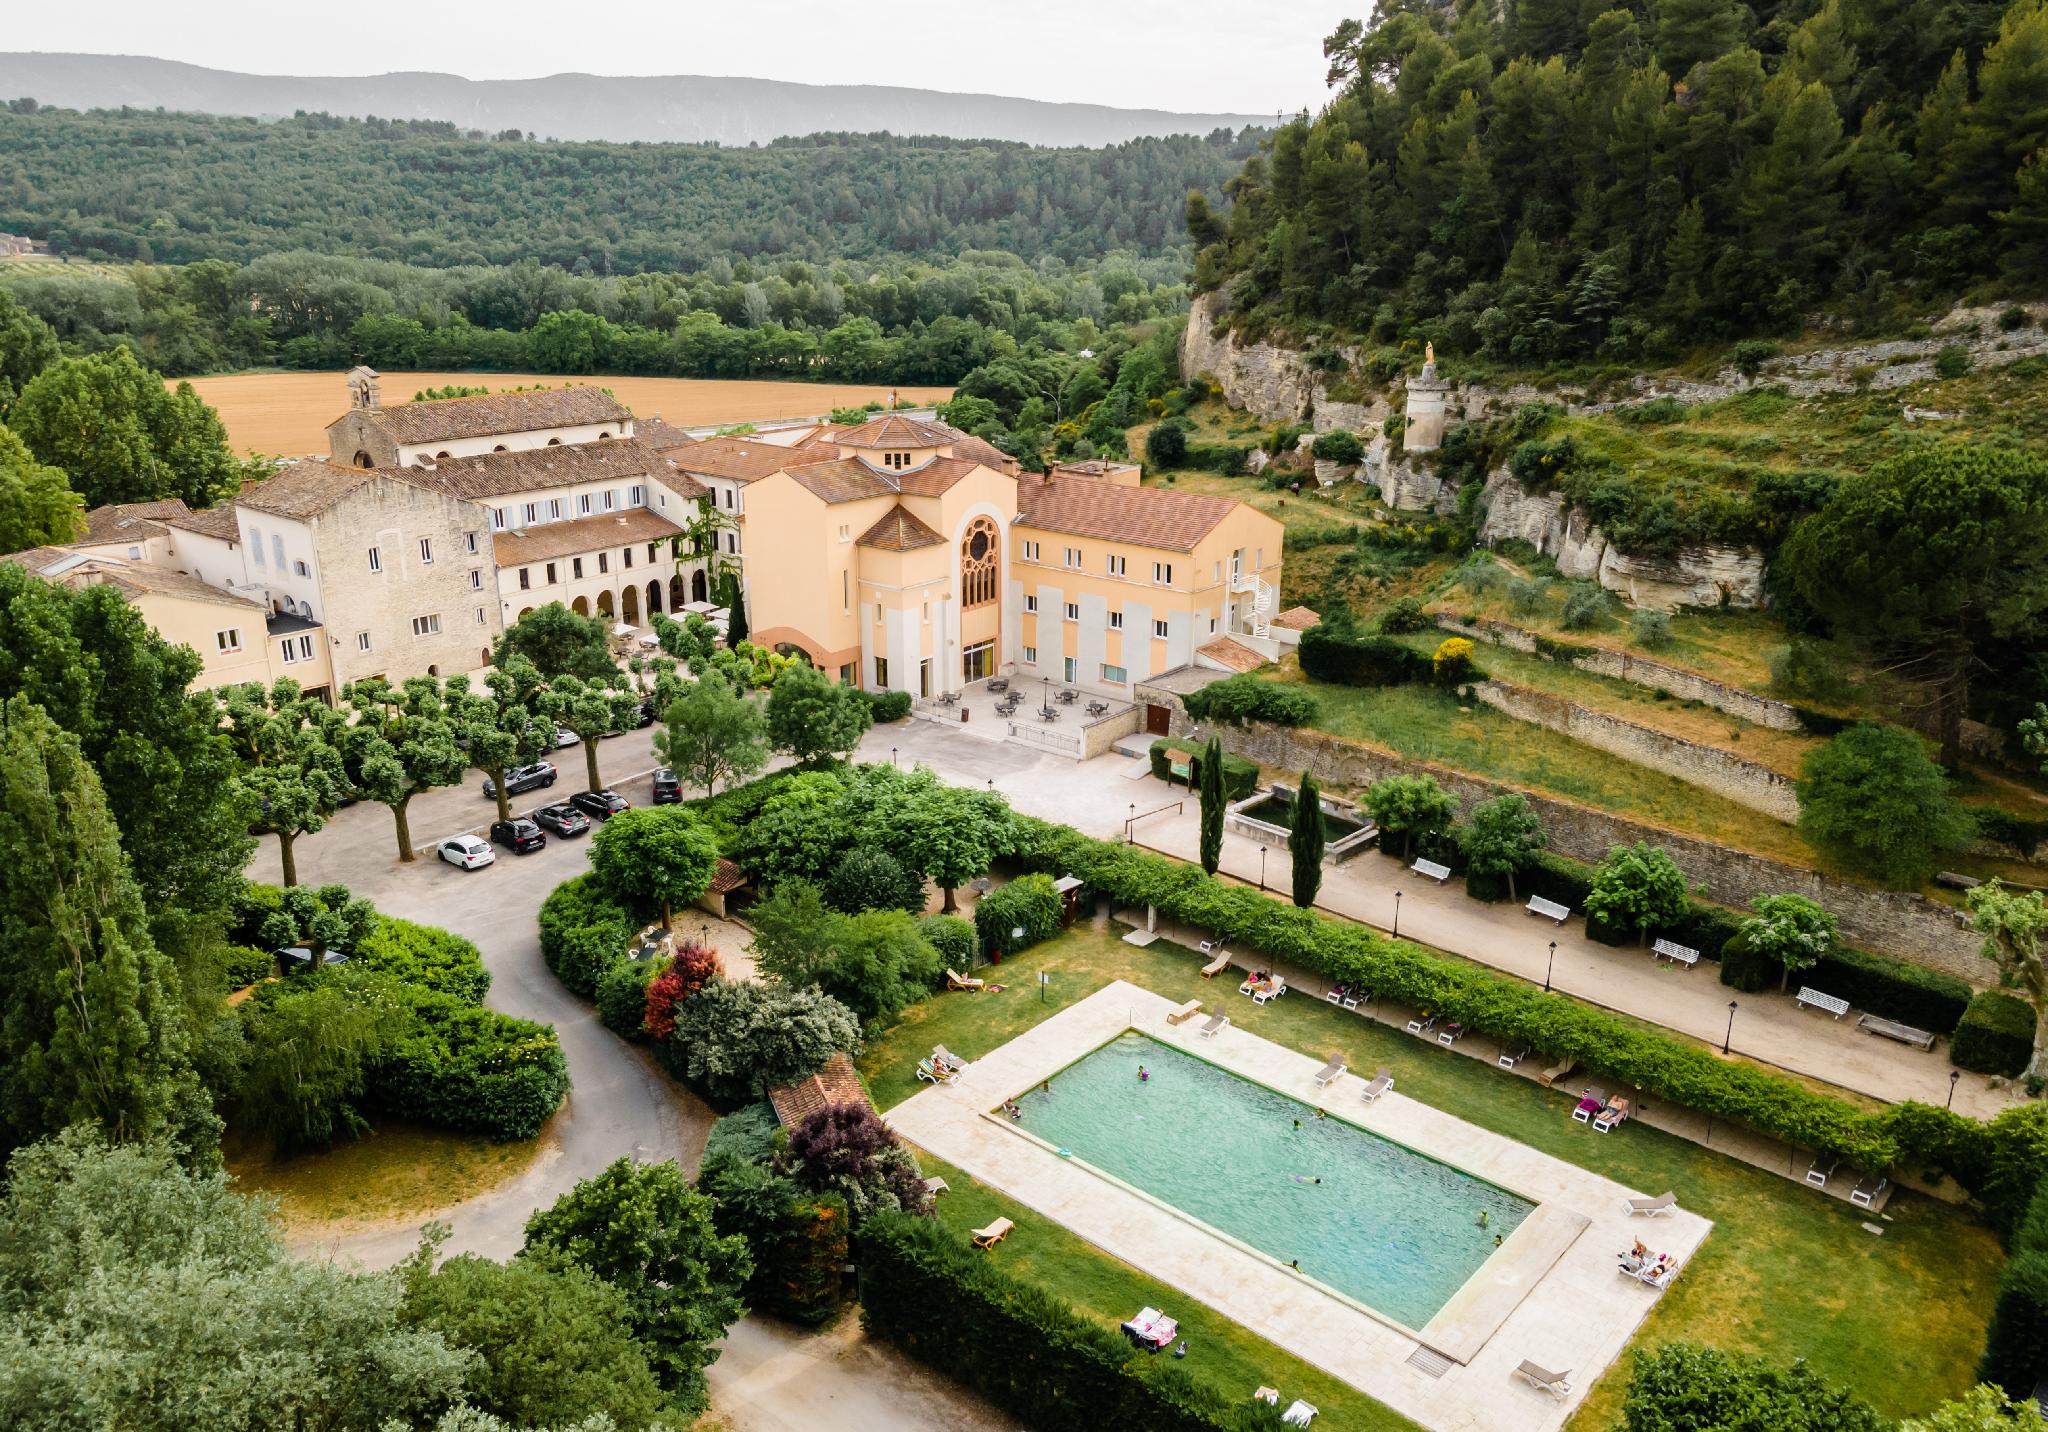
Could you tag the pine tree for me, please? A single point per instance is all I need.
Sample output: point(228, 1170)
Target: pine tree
point(1305, 841)
point(1691, 32)
point(91, 1030)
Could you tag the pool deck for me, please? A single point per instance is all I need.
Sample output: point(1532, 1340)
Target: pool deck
point(1550, 1295)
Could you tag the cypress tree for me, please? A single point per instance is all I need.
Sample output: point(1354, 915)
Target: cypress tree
point(1305, 841)
point(735, 602)
point(1210, 788)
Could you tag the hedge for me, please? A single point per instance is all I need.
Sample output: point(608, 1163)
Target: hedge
point(1995, 1036)
point(622, 996)
point(583, 933)
point(1330, 652)
point(888, 705)
point(1893, 989)
point(471, 1068)
point(1240, 777)
point(2016, 1343)
point(952, 937)
point(2001, 1162)
point(1029, 904)
point(1239, 700)
point(1020, 1346)
point(425, 956)
point(728, 812)
point(242, 965)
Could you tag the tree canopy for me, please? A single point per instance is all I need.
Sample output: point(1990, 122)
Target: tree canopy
point(815, 718)
point(37, 505)
point(661, 855)
point(1874, 800)
point(1638, 887)
point(111, 426)
point(559, 642)
point(712, 733)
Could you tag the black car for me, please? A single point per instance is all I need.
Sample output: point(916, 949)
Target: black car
point(561, 818)
point(297, 958)
point(518, 836)
point(646, 717)
point(521, 779)
point(667, 789)
point(599, 805)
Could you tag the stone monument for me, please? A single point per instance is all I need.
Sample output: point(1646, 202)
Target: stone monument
point(1429, 401)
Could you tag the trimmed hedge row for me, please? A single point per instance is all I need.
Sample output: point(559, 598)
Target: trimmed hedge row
point(1023, 1348)
point(1029, 904)
point(2016, 1343)
point(1240, 700)
point(1240, 777)
point(1331, 652)
point(2000, 1162)
point(1996, 1035)
point(1893, 989)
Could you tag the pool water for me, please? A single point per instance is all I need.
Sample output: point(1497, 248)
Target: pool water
point(1398, 1232)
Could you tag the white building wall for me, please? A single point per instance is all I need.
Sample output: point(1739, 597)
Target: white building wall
point(213, 560)
point(286, 543)
point(1138, 641)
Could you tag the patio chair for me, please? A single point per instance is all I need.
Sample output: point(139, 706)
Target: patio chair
point(995, 1233)
point(1663, 1205)
point(1591, 1102)
point(1351, 998)
point(1821, 1170)
point(1381, 1082)
point(1423, 1023)
point(1299, 1414)
point(1541, 1377)
point(1336, 994)
point(926, 1074)
point(1605, 1121)
point(1331, 1071)
point(1215, 1023)
point(1185, 1013)
point(1867, 1189)
point(956, 980)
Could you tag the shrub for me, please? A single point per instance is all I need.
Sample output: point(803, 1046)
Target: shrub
point(688, 970)
point(1241, 700)
point(1451, 664)
point(1995, 1035)
point(466, 1067)
point(583, 933)
point(1892, 989)
point(1405, 615)
point(798, 1241)
point(1952, 361)
point(888, 705)
point(846, 1149)
point(1683, 1388)
point(1167, 444)
point(736, 1040)
point(242, 965)
point(1240, 777)
point(1526, 595)
point(2013, 319)
point(423, 955)
point(1650, 629)
point(1584, 606)
point(1339, 447)
point(2016, 1343)
point(1873, 799)
point(1331, 651)
point(952, 937)
point(1080, 1375)
point(622, 997)
point(870, 879)
point(1028, 903)
point(2003, 827)
point(1412, 807)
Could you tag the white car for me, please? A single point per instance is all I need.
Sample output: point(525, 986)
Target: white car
point(565, 737)
point(467, 851)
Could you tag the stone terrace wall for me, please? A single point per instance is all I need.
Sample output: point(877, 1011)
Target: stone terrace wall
point(1743, 781)
point(1905, 925)
point(1639, 671)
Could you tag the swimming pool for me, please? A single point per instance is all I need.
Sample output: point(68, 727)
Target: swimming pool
point(1396, 1231)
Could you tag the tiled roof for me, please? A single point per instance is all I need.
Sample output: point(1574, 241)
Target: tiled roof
point(217, 521)
point(73, 569)
point(893, 430)
point(900, 531)
point(443, 419)
point(499, 474)
point(308, 487)
point(727, 878)
point(129, 521)
point(1092, 467)
point(835, 1083)
point(1296, 619)
point(1153, 517)
point(966, 445)
point(550, 540)
point(733, 458)
point(660, 436)
point(936, 477)
point(849, 479)
point(1235, 655)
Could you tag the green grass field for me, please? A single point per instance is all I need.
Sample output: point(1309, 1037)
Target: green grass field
point(1786, 1273)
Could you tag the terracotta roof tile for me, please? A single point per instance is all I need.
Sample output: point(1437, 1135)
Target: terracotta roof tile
point(549, 540)
point(128, 521)
point(736, 459)
point(442, 419)
point(309, 487)
point(837, 1082)
point(1296, 619)
point(893, 430)
point(661, 436)
point(218, 521)
point(1153, 517)
point(79, 569)
point(727, 878)
point(900, 530)
point(1235, 655)
point(498, 474)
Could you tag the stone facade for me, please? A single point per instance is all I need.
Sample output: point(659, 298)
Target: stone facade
point(1745, 782)
point(1905, 925)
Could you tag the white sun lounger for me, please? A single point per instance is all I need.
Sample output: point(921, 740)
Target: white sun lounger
point(1214, 1023)
point(1298, 1414)
point(1381, 1082)
point(1331, 1071)
point(1664, 1204)
point(1551, 1382)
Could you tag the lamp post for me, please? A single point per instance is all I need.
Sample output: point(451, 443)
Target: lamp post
point(1397, 914)
point(1262, 870)
point(892, 755)
point(1953, 1075)
point(1547, 968)
point(1731, 1027)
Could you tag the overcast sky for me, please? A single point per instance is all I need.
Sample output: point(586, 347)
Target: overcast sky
point(1216, 56)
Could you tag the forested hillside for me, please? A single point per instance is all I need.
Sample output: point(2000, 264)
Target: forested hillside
point(131, 184)
point(1562, 181)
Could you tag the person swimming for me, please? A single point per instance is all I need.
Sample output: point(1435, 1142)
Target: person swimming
point(1297, 1126)
point(1143, 1077)
point(1304, 1178)
point(1295, 1264)
point(1482, 1218)
point(1497, 1239)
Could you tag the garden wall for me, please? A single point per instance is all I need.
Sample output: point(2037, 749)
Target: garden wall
point(1637, 670)
point(1742, 781)
point(1906, 925)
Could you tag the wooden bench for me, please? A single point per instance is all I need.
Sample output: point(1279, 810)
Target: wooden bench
point(1436, 872)
point(1549, 909)
point(1814, 999)
point(1892, 1029)
point(1682, 954)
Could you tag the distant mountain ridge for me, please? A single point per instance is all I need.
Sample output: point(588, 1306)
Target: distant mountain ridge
point(675, 108)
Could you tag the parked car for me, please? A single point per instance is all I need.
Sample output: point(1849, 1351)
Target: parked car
point(599, 805)
point(561, 818)
point(667, 789)
point(295, 958)
point(646, 717)
point(519, 836)
point(565, 737)
point(467, 851)
point(522, 778)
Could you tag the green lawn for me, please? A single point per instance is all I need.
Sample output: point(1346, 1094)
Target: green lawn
point(1786, 1273)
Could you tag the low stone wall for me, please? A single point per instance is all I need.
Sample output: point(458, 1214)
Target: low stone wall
point(1636, 670)
point(1905, 925)
point(1743, 781)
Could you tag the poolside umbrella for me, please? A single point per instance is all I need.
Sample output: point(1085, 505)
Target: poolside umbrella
point(1046, 698)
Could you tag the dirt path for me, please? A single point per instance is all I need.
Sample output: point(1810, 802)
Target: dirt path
point(769, 1377)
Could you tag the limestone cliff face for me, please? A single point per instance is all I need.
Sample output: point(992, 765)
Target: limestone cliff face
point(1274, 382)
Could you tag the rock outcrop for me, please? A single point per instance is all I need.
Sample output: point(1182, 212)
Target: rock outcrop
point(1263, 378)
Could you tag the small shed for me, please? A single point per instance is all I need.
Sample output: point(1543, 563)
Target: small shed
point(1069, 889)
point(727, 882)
point(836, 1082)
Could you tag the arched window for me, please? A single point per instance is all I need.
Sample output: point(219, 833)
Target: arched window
point(362, 459)
point(499, 448)
point(554, 442)
point(978, 564)
point(604, 437)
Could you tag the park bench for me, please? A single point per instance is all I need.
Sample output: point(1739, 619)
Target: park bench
point(1549, 909)
point(1436, 872)
point(1814, 999)
point(1892, 1029)
point(1681, 954)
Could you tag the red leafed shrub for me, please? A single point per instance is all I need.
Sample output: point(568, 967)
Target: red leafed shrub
point(692, 968)
point(846, 1149)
